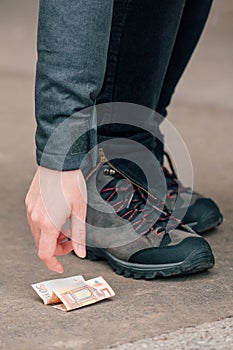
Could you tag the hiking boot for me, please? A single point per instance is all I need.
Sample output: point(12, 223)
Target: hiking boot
point(135, 233)
point(202, 214)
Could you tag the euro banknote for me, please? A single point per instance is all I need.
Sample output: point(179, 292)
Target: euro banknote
point(71, 293)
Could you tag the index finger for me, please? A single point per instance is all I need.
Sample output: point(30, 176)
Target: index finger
point(47, 248)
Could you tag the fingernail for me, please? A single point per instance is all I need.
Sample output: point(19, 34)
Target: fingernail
point(59, 268)
point(80, 251)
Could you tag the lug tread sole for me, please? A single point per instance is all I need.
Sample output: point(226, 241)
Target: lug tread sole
point(200, 260)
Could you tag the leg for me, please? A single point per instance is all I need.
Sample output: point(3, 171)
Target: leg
point(146, 61)
point(141, 42)
point(202, 213)
point(192, 24)
point(142, 39)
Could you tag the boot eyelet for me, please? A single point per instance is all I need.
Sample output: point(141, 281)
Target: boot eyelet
point(109, 172)
point(106, 171)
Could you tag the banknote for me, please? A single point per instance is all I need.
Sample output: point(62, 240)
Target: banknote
point(45, 289)
point(74, 292)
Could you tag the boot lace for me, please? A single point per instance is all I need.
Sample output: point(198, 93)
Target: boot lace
point(132, 204)
point(173, 184)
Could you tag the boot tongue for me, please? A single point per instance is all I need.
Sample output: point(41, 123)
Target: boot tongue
point(171, 180)
point(138, 164)
point(151, 178)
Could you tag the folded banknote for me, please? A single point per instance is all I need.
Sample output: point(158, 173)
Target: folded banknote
point(71, 293)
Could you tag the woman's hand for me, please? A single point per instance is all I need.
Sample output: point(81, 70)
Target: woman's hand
point(54, 197)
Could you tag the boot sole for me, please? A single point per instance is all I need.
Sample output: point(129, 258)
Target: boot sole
point(198, 261)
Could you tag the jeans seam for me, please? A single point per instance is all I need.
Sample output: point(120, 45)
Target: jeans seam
point(119, 48)
point(110, 80)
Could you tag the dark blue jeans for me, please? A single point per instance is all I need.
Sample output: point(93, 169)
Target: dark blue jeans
point(99, 51)
point(151, 43)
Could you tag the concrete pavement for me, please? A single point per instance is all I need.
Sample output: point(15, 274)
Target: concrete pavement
point(209, 336)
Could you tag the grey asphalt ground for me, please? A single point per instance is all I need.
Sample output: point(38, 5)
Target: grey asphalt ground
point(151, 312)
